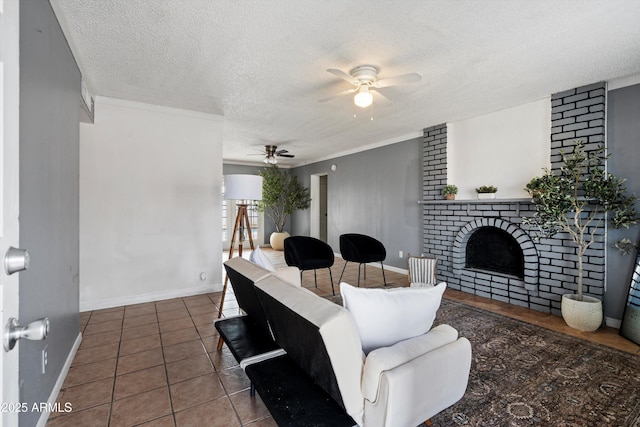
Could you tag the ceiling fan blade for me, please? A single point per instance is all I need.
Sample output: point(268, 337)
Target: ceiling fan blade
point(398, 80)
point(343, 75)
point(345, 92)
point(289, 156)
point(379, 95)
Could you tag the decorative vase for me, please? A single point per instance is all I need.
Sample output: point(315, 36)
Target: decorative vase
point(486, 195)
point(585, 315)
point(277, 240)
point(450, 196)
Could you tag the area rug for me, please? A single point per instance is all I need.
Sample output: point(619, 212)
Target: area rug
point(524, 375)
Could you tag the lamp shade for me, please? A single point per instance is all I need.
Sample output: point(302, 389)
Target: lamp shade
point(243, 187)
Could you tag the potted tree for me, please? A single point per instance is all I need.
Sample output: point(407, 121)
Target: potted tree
point(574, 200)
point(486, 192)
point(282, 194)
point(449, 192)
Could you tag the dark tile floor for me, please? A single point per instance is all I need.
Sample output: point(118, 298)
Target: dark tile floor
point(156, 364)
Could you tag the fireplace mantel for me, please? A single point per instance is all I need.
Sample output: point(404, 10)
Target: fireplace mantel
point(473, 201)
point(470, 202)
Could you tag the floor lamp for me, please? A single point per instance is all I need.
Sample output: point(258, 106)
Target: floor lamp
point(241, 188)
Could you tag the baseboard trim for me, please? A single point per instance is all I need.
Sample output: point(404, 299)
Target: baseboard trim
point(392, 268)
point(44, 416)
point(614, 323)
point(142, 298)
point(377, 264)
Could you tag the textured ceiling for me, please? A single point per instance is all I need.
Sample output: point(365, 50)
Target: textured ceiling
point(262, 63)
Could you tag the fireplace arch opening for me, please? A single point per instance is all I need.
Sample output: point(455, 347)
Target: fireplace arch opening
point(495, 250)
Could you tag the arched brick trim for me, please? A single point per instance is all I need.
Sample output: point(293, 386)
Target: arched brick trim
point(530, 281)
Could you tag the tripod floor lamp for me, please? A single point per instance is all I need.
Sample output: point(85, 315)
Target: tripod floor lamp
point(242, 189)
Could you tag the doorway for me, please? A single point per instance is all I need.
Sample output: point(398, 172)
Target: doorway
point(319, 206)
point(9, 199)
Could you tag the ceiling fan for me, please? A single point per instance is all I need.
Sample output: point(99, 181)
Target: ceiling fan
point(365, 79)
point(271, 152)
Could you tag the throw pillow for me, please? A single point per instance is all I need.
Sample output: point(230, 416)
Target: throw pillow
point(260, 259)
point(384, 317)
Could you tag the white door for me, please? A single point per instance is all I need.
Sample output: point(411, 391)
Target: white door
point(9, 125)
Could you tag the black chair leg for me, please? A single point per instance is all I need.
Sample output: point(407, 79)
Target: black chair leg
point(315, 277)
point(345, 266)
point(252, 391)
point(384, 279)
point(331, 277)
point(359, 268)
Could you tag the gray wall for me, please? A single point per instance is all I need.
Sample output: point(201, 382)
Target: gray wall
point(373, 192)
point(623, 139)
point(49, 135)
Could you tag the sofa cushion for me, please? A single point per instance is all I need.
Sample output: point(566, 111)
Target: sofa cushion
point(259, 258)
point(387, 316)
point(290, 275)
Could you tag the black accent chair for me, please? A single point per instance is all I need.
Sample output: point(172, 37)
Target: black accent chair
point(309, 253)
point(362, 249)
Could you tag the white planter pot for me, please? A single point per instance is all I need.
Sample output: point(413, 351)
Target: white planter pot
point(277, 240)
point(486, 195)
point(585, 315)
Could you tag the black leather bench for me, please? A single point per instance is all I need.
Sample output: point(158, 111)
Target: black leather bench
point(292, 396)
point(247, 335)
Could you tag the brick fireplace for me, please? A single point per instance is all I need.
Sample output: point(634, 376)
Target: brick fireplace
point(549, 265)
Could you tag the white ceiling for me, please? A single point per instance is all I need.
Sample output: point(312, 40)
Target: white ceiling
point(261, 63)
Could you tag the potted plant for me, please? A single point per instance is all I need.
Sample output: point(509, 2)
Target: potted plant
point(535, 185)
point(486, 192)
point(449, 192)
point(574, 200)
point(282, 194)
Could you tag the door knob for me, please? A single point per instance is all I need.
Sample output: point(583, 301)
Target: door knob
point(35, 331)
point(16, 260)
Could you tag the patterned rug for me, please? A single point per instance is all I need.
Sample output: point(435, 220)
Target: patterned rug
point(524, 375)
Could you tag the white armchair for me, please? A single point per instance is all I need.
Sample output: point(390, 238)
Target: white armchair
point(413, 380)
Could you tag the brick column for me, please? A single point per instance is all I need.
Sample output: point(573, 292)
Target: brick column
point(576, 114)
point(434, 161)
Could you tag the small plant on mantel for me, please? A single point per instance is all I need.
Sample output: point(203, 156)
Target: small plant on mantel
point(486, 192)
point(575, 199)
point(536, 185)
point(486, 189)
point(449, 192)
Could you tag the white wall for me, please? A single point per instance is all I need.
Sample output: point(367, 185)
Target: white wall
point(505, 149)
point(150, 182)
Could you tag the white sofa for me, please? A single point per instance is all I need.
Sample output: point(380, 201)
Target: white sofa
point(401, 385)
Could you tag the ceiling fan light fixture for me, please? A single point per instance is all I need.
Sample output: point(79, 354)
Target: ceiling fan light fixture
point(363, 98)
